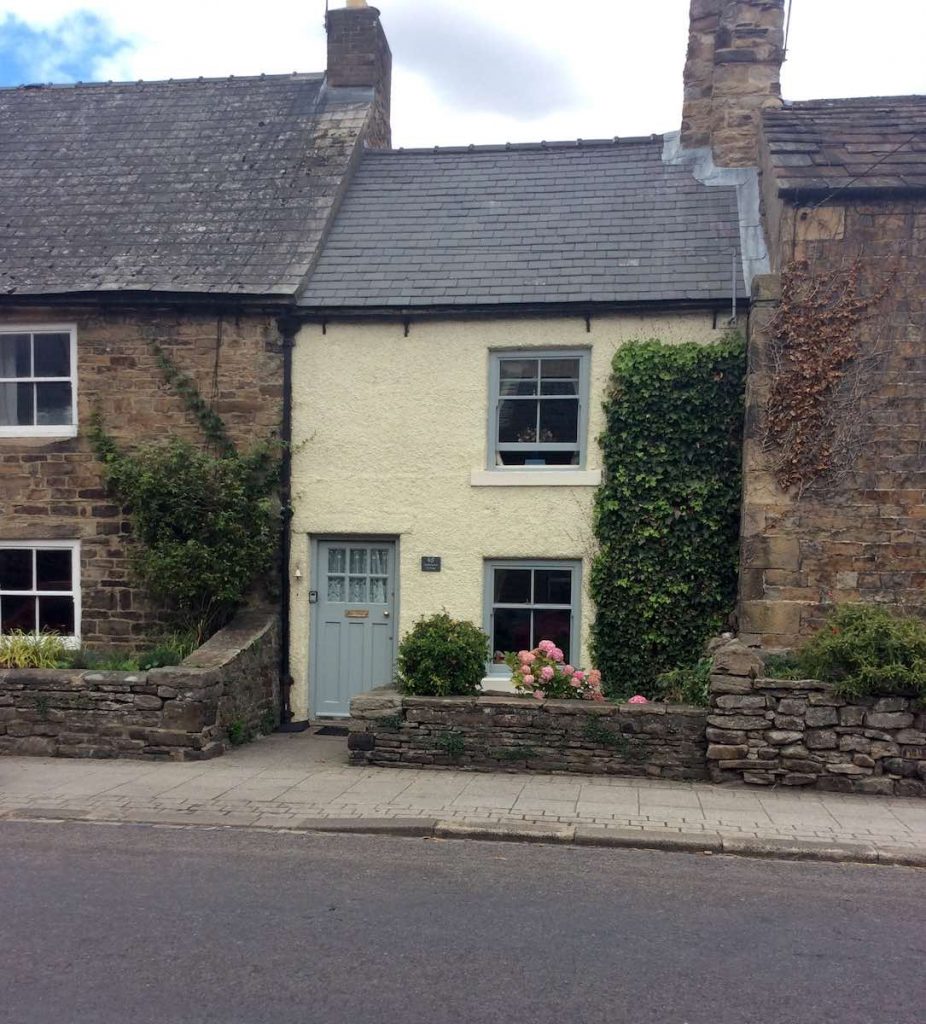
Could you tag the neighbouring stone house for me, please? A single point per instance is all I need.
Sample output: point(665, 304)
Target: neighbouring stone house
point(179, 214)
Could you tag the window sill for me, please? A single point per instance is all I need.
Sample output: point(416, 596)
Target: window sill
point(498, 684)
point(57, 433)
point(535, 477)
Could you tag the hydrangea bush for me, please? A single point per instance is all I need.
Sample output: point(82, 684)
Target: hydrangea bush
point(542, 673)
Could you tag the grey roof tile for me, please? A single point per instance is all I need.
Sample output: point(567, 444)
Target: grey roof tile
point(221, 185)
point(605, 222)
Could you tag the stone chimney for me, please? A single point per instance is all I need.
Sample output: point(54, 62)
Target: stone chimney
point(359, 56)
point(735, 52)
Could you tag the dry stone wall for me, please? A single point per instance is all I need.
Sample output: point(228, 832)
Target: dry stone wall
point(498, 732)
point(798, 732)
point(186, 713)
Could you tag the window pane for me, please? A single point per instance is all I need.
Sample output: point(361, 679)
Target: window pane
point(512, 586)
point(379, 561)
point(17, 613)
point(336, 559)
point(335, 588)
point(16, 569)
point(378, 589)
point(52, 355)
point(553, 625)
point(559, 387)
point(517, 420)
point(54, 403)
point(56, 614)
point(53, 569)
point(358, 560)
point(562, 369)
point(517, 369)
point(357, 588)
point(559, 420)
point(552, 586)
point(512, 630)
point(14, 355)
point(16, 405)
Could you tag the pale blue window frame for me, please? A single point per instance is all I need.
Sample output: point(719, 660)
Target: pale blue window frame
point(527, 448)
point(488, 602)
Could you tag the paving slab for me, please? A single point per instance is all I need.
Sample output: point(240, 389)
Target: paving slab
point(296, 781)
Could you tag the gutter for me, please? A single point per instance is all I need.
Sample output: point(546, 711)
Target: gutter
point(288, 328)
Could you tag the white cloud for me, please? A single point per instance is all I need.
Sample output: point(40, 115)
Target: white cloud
point(616, 66)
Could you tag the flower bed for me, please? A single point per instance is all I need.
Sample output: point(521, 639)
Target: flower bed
point(512, 733)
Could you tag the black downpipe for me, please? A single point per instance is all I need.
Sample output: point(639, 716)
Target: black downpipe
point(288, 330)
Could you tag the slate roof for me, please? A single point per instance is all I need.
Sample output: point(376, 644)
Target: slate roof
point(864, 144)
point(206, 185)
point(545, 223)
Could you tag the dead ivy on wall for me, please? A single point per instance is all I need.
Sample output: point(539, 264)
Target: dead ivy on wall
point(819, 372)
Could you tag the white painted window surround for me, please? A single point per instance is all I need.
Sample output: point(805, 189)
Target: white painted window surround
point(38, 380)
point(40, 587)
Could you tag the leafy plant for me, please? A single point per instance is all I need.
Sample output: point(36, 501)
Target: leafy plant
point(30, 650)
point(541, 673)
point(451, 743)
point(667, 516)
point(238, 732)
point(440, 656)
point(690, 684)
point(268, 722)
point(864, 649)
point(783, 666)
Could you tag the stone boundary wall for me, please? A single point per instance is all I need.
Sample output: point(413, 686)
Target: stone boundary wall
point(509, 733)
point(797, 732)
point(182, 713)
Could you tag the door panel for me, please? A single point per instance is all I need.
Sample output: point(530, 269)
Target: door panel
point(352, 622)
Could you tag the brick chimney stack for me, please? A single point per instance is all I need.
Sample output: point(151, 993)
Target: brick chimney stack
point(359, 57)
point(735, 52)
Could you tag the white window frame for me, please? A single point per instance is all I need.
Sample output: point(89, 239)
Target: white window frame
point(495, 358)
point(72, 639)
point(575, 605)
point(54, 429)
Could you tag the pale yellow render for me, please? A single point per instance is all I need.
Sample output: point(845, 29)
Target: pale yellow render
point(390, 436)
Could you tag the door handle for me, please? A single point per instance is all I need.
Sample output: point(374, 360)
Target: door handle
point(386, 614)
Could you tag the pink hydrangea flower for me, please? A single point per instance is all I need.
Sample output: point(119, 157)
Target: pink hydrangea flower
point(597, 695)
point(556, 654)
point(539, 694)
point(546, 646)
point(568, 670)
point(594, 676)
point(528, 680)
point(546, 673)
point(526, 670)
point(527, 657)
point(638, 698)
point(580, 675)
point(577, 683)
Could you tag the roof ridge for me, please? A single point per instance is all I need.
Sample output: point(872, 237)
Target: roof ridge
point(288, 76)
point(505, 147)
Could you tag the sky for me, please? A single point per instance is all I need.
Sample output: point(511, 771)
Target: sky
point(467, 71)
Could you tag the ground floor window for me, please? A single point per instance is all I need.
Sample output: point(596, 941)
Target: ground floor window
point(529, 601)
point(40, 587)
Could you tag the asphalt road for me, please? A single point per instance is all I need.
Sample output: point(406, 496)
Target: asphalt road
point(131, 924)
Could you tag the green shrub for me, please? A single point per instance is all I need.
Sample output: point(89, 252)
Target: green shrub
point(440, 656)
point(863, 649)
point(690, 684)
point(667, 516)
point(783, 666)
point(30, 650)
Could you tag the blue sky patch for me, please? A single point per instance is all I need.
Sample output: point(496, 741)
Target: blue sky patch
point(69, 51)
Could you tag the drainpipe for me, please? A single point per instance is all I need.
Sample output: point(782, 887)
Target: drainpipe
point(288, 328)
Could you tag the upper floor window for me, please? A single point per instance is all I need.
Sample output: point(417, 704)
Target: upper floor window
point(539, 408)
point(38, 381)
point(39, 587)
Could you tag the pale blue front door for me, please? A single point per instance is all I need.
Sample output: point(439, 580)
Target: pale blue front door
point(353, 627)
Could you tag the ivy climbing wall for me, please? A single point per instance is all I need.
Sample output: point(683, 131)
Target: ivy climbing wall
point(835, 444)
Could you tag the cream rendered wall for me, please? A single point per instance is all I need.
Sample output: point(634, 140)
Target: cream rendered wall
point(387, 431)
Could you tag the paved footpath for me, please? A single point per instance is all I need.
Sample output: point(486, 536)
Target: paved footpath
point(303, 781)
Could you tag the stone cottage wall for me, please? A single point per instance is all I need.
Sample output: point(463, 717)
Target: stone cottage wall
point(799, 733)
point(859, 538)
point(500, 732)
point(186, 713)
point(52, 490)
